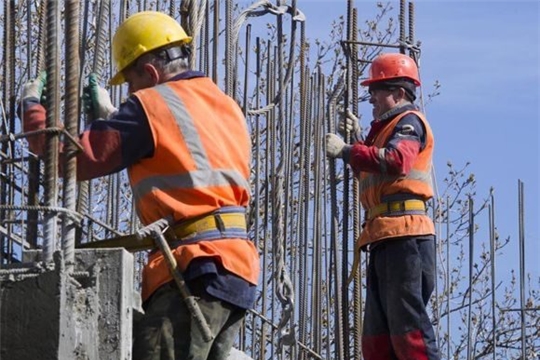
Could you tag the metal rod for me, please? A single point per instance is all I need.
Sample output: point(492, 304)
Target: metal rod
point(215, 42)
point(448, 279)
point(492, 252)
point(411, 29)
point(53, 111)
point(402, 7)
point(69, 227)
point(521, 232)
point(471, 268)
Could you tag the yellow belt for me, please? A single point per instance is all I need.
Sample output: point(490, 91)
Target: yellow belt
point(391, 207)
point(186, 230)
point(213, 222)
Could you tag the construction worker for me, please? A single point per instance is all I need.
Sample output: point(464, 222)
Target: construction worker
point(393, 166)
point(187, 150)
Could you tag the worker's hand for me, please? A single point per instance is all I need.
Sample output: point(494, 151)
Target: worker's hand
point(334, 146)
point(96, 100)
point(349, 122)
point(32, 114)
point(34, 88)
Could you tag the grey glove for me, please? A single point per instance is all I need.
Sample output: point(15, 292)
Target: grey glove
point(334, 146)
point(34, 88)
point(96, 100)
point(349, 122)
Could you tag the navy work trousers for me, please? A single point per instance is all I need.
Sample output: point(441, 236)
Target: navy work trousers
point(400, 280)
point(167, 332)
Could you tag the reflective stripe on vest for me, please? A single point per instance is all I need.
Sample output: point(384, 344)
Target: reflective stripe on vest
point(189, 180)
point(371, 180)
point(187, 127)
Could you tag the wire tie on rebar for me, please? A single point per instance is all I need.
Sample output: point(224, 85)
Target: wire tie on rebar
point(272, 9)
point(73, 140)
point(298, 16)
point(409, 46)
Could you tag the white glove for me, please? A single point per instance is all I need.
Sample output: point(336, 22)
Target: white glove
point(334, 146)
point(349, 122)
point(34, 87)
point(96, 100)
point(105, 108)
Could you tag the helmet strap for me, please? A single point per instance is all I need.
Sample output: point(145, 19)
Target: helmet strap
point(177, 52)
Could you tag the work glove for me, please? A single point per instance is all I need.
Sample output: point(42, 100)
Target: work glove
point(334, 146)
point(34, 88)
point(349, 122)
point(33, 117)
point(96, 100)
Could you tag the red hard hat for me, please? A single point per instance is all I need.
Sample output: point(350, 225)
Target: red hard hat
point(392, 66)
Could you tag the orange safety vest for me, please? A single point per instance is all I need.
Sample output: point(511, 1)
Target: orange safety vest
point(375, 187)
point(201, 163)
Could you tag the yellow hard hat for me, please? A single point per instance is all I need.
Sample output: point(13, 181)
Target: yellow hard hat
point(140, 33)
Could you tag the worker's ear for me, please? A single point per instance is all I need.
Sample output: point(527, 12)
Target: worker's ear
point(401, 94)
point(153, 73)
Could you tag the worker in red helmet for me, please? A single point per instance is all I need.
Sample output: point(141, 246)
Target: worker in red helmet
point(393, 166)
point(187, 150)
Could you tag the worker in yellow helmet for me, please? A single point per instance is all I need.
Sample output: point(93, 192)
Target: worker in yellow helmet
point(187, 150)
point(393, 166)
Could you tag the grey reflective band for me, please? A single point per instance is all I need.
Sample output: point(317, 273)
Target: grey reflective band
point(190, 180)
point(186, 125)
point(377, 179)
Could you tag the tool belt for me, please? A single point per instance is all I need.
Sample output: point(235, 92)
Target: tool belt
point(225, 223)
point(397, 208)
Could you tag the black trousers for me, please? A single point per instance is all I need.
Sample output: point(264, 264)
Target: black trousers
point(400, 280)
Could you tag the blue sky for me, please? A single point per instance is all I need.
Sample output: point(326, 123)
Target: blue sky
point(485, 54)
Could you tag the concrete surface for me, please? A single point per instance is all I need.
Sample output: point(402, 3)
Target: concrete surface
point(48, 314)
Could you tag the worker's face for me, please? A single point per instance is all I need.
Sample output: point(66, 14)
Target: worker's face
point(382, 101)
